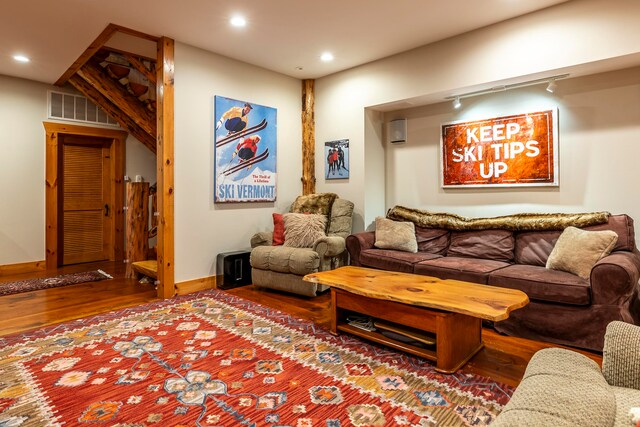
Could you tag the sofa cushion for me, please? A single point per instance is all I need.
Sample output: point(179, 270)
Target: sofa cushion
point(283, 259)
point(388, 259)
point(577, 251)
point(542, 284)
point(432, 240)
point(534, 247)
point(473, 270)
point(488, 244)
point(398, 235)
point(623, 226)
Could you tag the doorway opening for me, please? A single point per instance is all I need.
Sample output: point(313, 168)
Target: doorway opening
point(84, 195)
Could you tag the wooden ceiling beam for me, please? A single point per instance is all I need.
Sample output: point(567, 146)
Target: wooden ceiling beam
point(118, 115)
point(139, 65)
point(97, 44)
point(117, 94)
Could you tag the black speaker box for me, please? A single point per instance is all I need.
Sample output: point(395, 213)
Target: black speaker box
point(235, 269)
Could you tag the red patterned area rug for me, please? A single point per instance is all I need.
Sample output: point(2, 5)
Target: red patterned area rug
point(10, 288)
point(212, 359)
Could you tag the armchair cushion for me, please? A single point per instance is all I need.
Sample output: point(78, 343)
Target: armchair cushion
point(302, 230)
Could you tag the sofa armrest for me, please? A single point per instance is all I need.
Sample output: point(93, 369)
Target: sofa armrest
point(358, 242)
point(620, 361)
point(614, 278)
point(262, 238)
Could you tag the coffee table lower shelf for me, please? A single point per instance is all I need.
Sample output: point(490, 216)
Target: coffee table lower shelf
point(458, 336)
point(389, 342)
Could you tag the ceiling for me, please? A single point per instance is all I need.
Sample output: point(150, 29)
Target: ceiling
point(286, 36)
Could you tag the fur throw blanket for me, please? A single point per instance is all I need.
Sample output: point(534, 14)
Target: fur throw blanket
point(516, 222)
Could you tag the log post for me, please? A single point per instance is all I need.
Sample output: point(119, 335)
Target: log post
point(308, 137)
point(137, 224)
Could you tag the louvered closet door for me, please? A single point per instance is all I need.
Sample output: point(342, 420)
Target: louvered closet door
point(85, 217)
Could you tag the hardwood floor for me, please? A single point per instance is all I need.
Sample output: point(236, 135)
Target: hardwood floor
point(30, 310)
point(503, 358)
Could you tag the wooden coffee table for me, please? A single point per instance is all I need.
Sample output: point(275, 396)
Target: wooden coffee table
point(450, 311)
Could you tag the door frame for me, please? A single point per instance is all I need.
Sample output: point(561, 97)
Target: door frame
point(53, 169)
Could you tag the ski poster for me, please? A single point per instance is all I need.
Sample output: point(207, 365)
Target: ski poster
point(245, 149)
point(336, 159)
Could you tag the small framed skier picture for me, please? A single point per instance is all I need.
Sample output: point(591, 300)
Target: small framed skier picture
point(244, 151)
point(336, 154)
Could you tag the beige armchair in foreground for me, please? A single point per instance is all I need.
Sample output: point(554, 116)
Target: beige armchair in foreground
point(564, 388)
point(282, 267)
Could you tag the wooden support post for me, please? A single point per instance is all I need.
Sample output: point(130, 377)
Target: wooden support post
point(308, 137)
point(165, 96)
point(137, 224)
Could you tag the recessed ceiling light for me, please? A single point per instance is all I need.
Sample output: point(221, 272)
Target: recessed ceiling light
point(326, 57)
point(238, 21)
point(21, 58)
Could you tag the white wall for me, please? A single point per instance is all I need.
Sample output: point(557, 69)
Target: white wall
point(564, 37)
point(23, 108)
point(140, 161)
point(204, 229)
point(599, 144)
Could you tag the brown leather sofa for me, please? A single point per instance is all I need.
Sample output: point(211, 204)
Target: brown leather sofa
point(564, 308)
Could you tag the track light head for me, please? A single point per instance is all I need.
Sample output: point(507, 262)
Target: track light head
point(456, 102)
point(552, 86)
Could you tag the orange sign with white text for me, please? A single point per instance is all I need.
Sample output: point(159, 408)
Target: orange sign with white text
point(516, 150)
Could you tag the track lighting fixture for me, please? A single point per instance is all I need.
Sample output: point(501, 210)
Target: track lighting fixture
point(551, 87)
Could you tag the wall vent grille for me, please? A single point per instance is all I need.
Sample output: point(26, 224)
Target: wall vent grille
point(77, 108)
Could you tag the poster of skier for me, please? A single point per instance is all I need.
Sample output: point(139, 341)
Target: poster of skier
point(336, 154)
point(245, 151)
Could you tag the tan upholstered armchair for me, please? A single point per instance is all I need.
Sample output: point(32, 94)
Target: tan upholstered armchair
point(282, 267)
point(564, 388)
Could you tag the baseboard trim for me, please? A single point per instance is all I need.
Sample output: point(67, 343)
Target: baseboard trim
point(23, 267)
point(195, 285)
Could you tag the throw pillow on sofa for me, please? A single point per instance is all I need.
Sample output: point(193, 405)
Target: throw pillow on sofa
point(577, 251)
point(302, 230)
point(396, 235)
